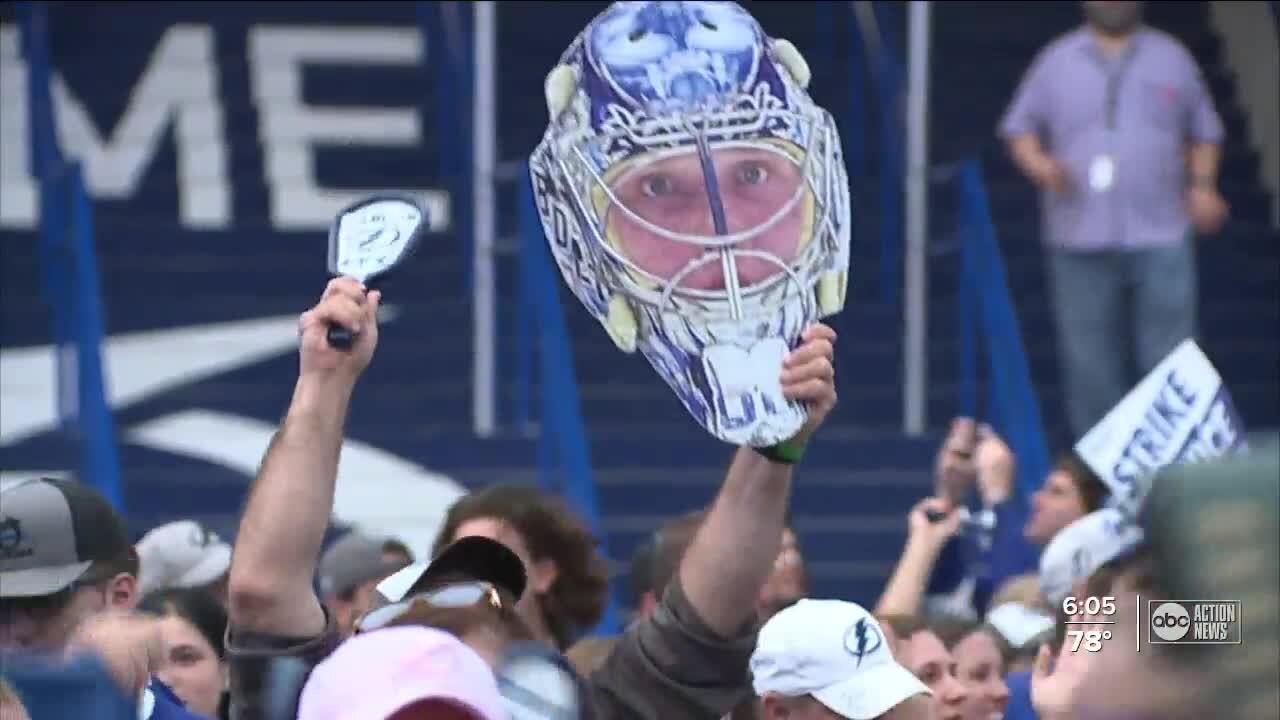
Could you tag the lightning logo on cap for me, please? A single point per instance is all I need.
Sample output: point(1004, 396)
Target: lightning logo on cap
point(865, 640)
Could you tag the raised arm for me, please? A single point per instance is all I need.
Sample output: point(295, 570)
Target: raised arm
point(689, 658)
point(904, 593)
point(734, 550)
point(278, 545)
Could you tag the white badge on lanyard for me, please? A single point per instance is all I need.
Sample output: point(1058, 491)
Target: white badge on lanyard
point(1102, 173)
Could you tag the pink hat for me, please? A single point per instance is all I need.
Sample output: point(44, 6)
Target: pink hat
point(372, 675)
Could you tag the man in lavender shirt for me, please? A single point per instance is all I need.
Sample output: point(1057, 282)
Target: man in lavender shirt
point(1114, 124)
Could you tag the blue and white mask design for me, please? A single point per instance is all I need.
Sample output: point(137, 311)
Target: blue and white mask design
point(696, 202)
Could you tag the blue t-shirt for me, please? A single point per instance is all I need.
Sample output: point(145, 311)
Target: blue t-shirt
point(1019, 707)
point(970, 573)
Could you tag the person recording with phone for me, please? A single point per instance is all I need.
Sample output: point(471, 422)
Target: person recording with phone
point(954, 556)
point(998, 539)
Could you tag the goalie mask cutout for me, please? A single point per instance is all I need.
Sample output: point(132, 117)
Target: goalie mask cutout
point(695, 200)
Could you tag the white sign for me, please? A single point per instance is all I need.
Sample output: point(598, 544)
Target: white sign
point(1180, 412)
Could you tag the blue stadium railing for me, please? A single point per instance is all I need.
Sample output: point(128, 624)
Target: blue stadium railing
point(988, 322)
point(564, 453)
point(987, 316)
point(69, 270)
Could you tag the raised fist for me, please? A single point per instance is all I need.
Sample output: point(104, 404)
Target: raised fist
point(344, 303)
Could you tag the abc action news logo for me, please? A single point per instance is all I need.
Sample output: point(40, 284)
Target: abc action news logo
point(1194, 622)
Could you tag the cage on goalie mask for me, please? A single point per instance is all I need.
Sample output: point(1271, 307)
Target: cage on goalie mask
point(696, 202)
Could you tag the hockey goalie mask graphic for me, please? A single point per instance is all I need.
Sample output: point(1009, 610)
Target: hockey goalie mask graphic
point(696, 202)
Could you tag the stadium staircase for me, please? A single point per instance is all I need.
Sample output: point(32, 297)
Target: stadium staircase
point(650, 459)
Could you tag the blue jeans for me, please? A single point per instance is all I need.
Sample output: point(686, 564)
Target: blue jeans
point(1112, 307)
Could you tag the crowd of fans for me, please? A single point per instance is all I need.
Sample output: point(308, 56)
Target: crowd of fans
point(190, 631)
point(495, 623)
point(721, 623)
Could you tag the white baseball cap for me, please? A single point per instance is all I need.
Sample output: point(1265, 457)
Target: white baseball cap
point(836, 652)
point(1079, 549)
point(183, 553)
